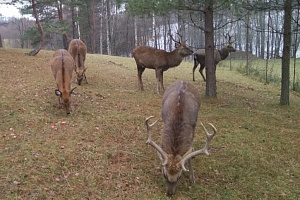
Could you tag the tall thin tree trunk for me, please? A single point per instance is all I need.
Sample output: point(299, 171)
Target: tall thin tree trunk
point(40, 29)
point(285, 79)
point(101, 28)
point(60, 18)
point(268, 46)
point(108, 27)
point(136, 42)
point(295, 51)
point(210, 67)
point(154, 30)
point(1, 45)
point(247, 44)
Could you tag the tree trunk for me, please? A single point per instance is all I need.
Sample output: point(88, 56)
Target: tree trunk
point(108, 39)
point(39, 47)
point(101, 27)
point(285, 79)
point(210, 67)
point(1, 45)
point(60, 17)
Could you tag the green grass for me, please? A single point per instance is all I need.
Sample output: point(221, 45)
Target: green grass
point(100, 151)
point(257, 70)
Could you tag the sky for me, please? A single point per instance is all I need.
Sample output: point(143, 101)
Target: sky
point(9, 10)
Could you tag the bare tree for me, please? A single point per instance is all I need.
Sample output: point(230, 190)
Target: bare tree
point(40, 29)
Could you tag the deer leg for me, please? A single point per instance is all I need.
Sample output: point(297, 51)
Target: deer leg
point(84, 76)
point(194, 68)
point(192, 176)
point(201, 71)
point(159, 78)
point(59, 103)
point(140, 72)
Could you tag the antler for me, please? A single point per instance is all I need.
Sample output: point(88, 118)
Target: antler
point(152, 143)
point(204, 150)
point(171, 36)
point(229, 38)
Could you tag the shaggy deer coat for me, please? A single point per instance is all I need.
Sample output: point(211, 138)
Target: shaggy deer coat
point(62, 68)
point(159, 60)
point(199, 57)
point(78, 51)
point(180, 106)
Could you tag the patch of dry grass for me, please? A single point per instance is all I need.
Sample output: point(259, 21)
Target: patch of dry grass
point(99, 150)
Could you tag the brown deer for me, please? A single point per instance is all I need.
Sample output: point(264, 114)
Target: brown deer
point(199, 56)
point(62, 68)
point(160, 60)
point(78, 51)
point(180, 106)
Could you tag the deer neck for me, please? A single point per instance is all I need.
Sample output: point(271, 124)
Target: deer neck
point(224, 53)
point(174, 58)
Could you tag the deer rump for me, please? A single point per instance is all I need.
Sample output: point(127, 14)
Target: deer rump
point(78, 50)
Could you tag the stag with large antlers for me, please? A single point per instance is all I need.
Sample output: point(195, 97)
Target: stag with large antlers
point(159, 60)
point(180, 106)
point(199, 56)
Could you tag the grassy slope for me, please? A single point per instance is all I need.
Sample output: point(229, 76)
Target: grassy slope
point(100, 152)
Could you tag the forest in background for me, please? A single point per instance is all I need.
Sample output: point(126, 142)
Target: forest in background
point(115, 27)
point(267, 29)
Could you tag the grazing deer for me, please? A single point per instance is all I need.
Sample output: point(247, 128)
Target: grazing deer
point(78, 51)
point(160, 60)
point(199, 56)
point(62, 68)
point(180, 106)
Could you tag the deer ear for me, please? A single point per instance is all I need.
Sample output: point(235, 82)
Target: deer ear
point(57, 93)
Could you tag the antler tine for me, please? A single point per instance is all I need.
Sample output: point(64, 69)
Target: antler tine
point(171, 36)
point(204, 150)
point(152, 143)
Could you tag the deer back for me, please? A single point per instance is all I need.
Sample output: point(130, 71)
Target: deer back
point(62, 68)
point(78, 51)
point(218, 54)
point(180, 106)
point(153, 58)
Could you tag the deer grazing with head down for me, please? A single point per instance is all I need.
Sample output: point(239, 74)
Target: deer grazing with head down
point(199, 56)
point(159, 60)
point(62, 68)
point(180, 106)
point(78, 51)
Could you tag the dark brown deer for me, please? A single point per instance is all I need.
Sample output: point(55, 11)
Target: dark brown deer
point(159, 60)
point(78, 51)
point(180, 106)
point(199, 56)
point(62, 68)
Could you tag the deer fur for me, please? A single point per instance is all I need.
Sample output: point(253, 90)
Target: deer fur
point(159, 60)
point(62, 68)
point(199, 57)
point(180, 106)
point(78, 51)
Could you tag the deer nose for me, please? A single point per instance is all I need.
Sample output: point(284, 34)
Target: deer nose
point(169, 194)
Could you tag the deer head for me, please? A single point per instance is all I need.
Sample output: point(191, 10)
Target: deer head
point(173, 165)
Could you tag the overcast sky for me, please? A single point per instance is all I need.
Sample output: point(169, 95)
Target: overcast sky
point(9, 11)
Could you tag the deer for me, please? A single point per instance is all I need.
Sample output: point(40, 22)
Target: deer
point(62, 67)
point(78, 50)
point(180, 106)
point(199, 56)
point(159, 60)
